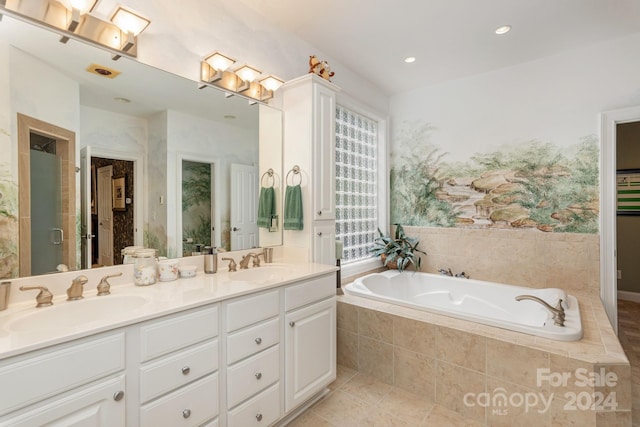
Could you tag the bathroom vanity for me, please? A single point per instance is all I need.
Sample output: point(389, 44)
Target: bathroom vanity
point(213, 350)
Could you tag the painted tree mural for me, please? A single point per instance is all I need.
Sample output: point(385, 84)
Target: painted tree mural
point(532, 184)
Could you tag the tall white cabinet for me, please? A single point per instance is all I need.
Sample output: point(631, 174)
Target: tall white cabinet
point(309, 105)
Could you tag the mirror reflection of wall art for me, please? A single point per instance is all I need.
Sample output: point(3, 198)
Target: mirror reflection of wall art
point(118, 193)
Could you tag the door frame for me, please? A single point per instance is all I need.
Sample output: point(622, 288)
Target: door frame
point(608, 256)
point(139, 186)
point(66, 146)
point(216, 200)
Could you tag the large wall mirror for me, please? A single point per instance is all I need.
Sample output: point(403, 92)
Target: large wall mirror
point(98, 155)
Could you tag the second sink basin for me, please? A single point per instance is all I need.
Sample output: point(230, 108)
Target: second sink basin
point(260, 274)
point(69, 314)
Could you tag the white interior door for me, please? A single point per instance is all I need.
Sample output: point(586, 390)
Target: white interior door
point(244, 207)
point(105, 216)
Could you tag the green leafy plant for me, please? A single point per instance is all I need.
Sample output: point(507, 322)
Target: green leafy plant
point(400, 249)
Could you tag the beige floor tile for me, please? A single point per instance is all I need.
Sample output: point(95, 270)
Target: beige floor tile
point(366, 388)
point(343, 374)
point(443, 417)
point(341, 409)
point(309, 419)
point(407, 406)
point(378, 418)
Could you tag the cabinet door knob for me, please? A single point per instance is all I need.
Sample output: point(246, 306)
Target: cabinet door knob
point(319, 213)
point(319, 233)
point(258, 340)
point(292, 323)
point(259, 375)
point(259, 417)
point(186, 413)
point(186, 370)
point(118, 395)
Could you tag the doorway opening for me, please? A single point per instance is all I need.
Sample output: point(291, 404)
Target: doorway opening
point(47, 196)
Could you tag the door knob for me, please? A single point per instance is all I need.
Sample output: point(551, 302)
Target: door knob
point(235, 229)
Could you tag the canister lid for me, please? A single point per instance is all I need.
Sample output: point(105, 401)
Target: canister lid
point(145, 253)
point(130, 250)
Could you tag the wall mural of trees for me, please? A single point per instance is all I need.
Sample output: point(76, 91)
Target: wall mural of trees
point(533, 185)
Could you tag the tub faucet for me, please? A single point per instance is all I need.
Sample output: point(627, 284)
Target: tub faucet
point(244, 262)
point(557, 311)
point(75, 290)
point(446, 272)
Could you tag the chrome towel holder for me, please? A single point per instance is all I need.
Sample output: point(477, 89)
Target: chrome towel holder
point(296, 171)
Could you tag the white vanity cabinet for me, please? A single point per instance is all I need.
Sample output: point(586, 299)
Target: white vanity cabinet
point(253, 357)
point(310, 339)
point(178, 380)
point(77, 383)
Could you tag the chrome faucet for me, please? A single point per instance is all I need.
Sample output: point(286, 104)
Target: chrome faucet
point(104, 288)
point(232, 263)
point(75, 290)
point(244, 262)
point(557, 311)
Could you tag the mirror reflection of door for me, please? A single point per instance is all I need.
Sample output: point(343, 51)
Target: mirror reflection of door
point(244, 207)
point(197, 205)
point(47, 196)
point(105, 216)
point(47, 234)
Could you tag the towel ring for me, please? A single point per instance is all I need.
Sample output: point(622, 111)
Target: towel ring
point(296, 171)
point(270, 173)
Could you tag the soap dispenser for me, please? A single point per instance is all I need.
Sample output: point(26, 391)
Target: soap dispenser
point(210, 259)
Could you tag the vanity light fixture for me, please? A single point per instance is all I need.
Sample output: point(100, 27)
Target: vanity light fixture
point(75, 8)
point(72, 19)
point(215, 71)
point(131, 24)
point(217, 65)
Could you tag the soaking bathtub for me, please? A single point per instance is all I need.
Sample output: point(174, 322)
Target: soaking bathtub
point(488, 303)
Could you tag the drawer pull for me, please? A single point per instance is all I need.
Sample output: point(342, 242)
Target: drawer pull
point(292, 323)
point(319, 213)
point(258, 340)
point(259, 375)
point(186, 413)
point(259, 417)
point(118, 395)
point(319, 233)
point(186, 370)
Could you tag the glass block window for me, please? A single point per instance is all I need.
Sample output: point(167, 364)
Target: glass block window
point(356, 183)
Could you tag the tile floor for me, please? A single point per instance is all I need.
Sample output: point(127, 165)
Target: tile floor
point(360, 400)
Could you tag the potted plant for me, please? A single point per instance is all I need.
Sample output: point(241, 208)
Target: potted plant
point(398, 252)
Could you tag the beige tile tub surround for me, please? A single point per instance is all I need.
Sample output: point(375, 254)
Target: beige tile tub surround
point(441, 359)
point(518, 257)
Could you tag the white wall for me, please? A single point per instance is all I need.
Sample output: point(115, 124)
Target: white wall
point(555, 99)
point(182, 33)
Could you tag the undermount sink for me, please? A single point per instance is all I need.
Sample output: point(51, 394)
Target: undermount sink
point(260, 274)
point(69, 314)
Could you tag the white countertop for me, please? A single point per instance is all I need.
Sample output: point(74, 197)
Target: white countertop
point(161, 299)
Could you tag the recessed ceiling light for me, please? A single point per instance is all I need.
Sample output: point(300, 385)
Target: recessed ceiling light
point(409, 59)
point(503, 30)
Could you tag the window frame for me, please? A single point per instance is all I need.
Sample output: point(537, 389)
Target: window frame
point(361, 266)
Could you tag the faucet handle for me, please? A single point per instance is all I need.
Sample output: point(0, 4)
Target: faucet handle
point(232, 263)
point(256, 260)
point(44, 297)
point(104, 286)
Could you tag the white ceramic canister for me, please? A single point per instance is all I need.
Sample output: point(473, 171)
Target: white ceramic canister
point(145, 267)
point(168, 270)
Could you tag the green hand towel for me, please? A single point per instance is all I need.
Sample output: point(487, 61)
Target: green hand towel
point(266, 206)
point(293, 208)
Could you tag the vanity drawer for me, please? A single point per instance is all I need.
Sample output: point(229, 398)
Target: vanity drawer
point(252, 340)
point(252, 375)
point(250, 310)
point(58, 369)
point(309, 292)
point(165, 336)
point(191, 405)
point(157, 378)
point(262, 410)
